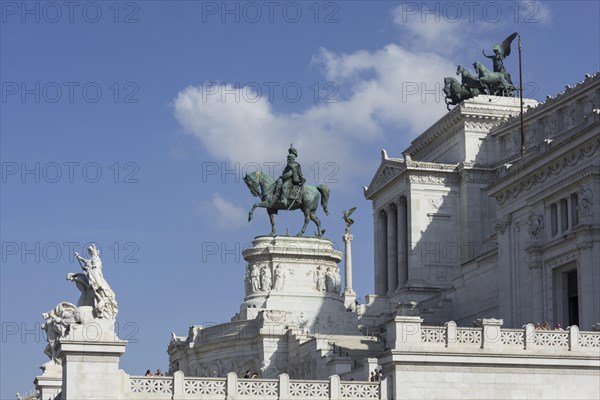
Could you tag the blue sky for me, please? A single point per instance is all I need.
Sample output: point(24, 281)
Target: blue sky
point(130, 124)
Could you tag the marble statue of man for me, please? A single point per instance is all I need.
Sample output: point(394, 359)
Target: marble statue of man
point(266, 278)
point(255, 278)
point(105, 304)
point(278, 278)
point(320, 279)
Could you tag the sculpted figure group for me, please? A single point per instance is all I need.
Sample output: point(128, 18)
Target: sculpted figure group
point(497, 82)
point(97, 301)
point(262, 279)
point(327, 280)
point(266, 278)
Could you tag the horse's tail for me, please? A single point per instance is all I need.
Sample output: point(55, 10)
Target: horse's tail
point(324, 190)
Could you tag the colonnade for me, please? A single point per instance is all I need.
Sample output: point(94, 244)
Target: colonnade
point(391, 238)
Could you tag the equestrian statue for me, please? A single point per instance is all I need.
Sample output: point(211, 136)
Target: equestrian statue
point(288, 192)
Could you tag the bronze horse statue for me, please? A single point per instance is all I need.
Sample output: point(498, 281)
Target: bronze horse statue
point(455, 92)
point(307, 199)
point(495, 82)
point(470, 82)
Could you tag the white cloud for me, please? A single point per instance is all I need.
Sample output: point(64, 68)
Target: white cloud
point(430, 28)
point(394, 93)
point(221, 212)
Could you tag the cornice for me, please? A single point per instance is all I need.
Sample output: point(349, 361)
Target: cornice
point(552, 102)
point(479, 114)
point(551, 169)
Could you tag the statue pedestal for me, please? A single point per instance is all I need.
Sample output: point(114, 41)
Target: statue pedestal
point(49, 384)
point(300, 276)
point(90, 362)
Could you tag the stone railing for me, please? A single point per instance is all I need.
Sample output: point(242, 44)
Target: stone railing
point(31, 395)
point(180, 387)
point(490, 335)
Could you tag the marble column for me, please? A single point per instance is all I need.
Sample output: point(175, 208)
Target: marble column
point(392, 248)
point(381, 250)
point(347, 241)
point(402, 243)
point(349, 295)
point(588, 275)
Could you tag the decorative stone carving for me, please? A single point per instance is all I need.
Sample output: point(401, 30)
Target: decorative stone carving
point(572, 116)
point(274, 316)
point(502, 224)
point(279, 278)
point(535, 225)
point(266, 279)
point(553, 125)
point(248, 279)
point(435, 203)
point(541, 175)
point(441, 275)
point(585, 203)
point(57, 325)
point(255, 278)
point(437, 179)
point(333, 280)
point(387, 174)
point(319, 278)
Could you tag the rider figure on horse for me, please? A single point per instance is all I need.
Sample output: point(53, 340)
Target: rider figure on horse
point(289, 183)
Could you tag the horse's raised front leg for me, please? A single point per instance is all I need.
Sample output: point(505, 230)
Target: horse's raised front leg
point(272, 218)
point(251, 213)
point(306, 219)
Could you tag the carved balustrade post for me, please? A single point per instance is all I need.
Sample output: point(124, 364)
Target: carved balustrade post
point(231, 384)
point(491, 336)
point(178, 391)
point(334, 388)
point(284, 387)
point(529, 339)
point(450, 333)
point(573, 337)
point(405, 328)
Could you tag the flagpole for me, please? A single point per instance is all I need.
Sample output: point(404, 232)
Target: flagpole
point(521, 101)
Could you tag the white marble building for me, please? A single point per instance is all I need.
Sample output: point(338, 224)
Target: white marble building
point(469, 229)
point(473, 245)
